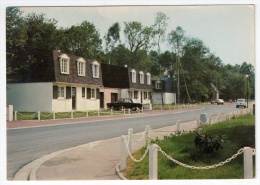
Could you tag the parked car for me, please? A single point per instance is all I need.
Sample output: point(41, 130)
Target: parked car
point(217, 101)
point(126, 103)
point(241, 103)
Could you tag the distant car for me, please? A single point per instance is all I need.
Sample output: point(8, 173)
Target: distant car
point(241, 103)
point(125, 103)
point(217, 101)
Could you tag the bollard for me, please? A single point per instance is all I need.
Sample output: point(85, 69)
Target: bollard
point(123, 154)
point(98, 113)
point(53, 115)
point(10, 112)
point(248, 163)
point(178, 125)
point(71, 114)
point(87, 113)
point(128, 111)
point(111, 112)
point(15, 115)
point(130, 142)
point(153, 163)
point(147, 133)
point(39, 115)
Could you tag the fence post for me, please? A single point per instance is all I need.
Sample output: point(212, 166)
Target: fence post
point(128, 111)
point(178, 126)
point(248, 163)
point(87, 113)
point(153, 163)
point(54, 115)
point(130, 141)
point(98, 113)
point(15, 115)
point(10, 112)
point(71, 114)
point(147, 133)
point(111, 112)
point(39, 115)
point(123, 154)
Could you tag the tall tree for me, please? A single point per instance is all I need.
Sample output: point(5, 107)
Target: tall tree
point(138, 37)
point(112, 37)
point(82, 40)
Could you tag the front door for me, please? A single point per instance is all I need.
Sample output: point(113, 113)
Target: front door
point(101, 100)
point(73, 96)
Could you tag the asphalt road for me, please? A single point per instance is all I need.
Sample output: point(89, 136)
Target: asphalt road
point(27, 144)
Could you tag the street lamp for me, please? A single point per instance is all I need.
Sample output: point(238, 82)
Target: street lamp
point(247, 78)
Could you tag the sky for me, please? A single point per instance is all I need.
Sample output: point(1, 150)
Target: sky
point(227, 30)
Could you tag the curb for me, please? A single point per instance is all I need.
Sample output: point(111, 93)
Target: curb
point(28, 172)
point(118, 172)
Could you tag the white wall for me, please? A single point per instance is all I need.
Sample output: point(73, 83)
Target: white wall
point(168, 98)
point(30, 97)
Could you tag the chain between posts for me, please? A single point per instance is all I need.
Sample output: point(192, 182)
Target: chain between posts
point(131, 156)
point(240, 151)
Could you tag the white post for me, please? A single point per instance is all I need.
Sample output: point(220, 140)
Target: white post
point(71, 114)
point(153, 163)
point(87, 113)
point(111, 111)
point(128, 111)
point(248, 163)
point(39, 115)
point(130, 141)
point(178, 126)
point(123, 154)
point(10, 113)
point(209, 120)
point(54, 115)
point(98, 113)
point(147, 133)
point(15, 115)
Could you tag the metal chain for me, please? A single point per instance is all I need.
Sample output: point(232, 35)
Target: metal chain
point(46, 115)
point(131, 156)
point(32, 115)
point(201, 167)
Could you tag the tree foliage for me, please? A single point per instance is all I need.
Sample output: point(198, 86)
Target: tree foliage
point(189, 61)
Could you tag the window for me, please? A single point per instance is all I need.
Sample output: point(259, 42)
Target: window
point(64, 64)
point(141, 75)
point(148, 78)
point(145, 95)
point(135, 94)
point(92, 93)
point(133, 76)
point(81, 63)
point(158, 85)
point(61, 93)
point(130, 94)
point(95, 69)
point(83, 92)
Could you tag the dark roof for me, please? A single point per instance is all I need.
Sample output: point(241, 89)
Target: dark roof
point(167, 84)
point(44, 66)
point(119, 77)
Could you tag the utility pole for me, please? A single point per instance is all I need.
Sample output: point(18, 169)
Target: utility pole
point(178, 77)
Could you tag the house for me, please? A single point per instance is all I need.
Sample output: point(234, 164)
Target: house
point(163, 91)
point(55, 81)
point(124, 82)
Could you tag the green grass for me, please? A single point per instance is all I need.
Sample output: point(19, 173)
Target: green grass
point(240, 132)
point(63, 115)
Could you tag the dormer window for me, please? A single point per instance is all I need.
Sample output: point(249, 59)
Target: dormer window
point(81, 65)
point(95, 69)
point(158, 85)
point(64, 64)
point(148, 78)
point(141, 76)
point(133, 76)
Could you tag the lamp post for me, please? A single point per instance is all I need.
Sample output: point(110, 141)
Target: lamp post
point(247, 78)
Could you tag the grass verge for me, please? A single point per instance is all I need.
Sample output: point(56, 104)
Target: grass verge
point(239, 132)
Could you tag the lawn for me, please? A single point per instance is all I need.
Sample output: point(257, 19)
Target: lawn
point(237, 133)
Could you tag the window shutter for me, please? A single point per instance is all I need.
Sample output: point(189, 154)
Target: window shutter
point(55, 92)
point(97, 94)
point(68, 92)
point(88, 93)
point(83, 92)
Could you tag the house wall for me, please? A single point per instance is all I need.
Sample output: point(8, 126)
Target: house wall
point(30, 97)
point(168, 98)
point(107, 94)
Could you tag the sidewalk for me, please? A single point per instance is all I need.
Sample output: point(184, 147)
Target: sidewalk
point(92, 161)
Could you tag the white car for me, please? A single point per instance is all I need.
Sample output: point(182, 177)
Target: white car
point(217, 101)
point(241, 103)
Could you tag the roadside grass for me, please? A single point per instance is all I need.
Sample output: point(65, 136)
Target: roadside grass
point(63, 115)
point(239, 132)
